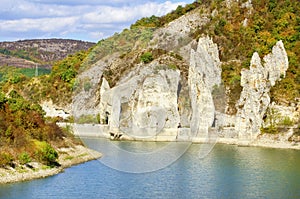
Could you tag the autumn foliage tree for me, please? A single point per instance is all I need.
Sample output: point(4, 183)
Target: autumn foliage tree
point(23, 129)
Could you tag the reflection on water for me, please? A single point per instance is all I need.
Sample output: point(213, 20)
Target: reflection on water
point(138, 157)
point(136, 147)
point(227, 172)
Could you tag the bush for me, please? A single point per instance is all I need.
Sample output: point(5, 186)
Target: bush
point(269, 130)
point(87, 86)
point(172, 66)
point(46, 154)
point(87, 119)
point(5, 159)
point(24, 158)
point(286, 121)
point(147, 57)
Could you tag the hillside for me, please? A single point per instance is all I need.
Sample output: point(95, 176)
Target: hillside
point(44, 52)
point(30, 142)
point(239, 28)
point(137, 70)
point(229, 68)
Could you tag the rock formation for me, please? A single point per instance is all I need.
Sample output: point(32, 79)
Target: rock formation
point(145, 101)
point(86, 99)
point(179, 88)
point(204, 75)
point(149, 98)
point(53, 111)
point(144, 104)
point(256, 83)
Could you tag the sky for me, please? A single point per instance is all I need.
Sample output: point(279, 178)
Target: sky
point(87, 20)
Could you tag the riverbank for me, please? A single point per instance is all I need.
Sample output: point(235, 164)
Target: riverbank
point(260, 143)
point(79, 154)
point(280, 140)
point(67, 157)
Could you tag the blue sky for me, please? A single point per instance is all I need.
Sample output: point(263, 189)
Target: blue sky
point(88, 20)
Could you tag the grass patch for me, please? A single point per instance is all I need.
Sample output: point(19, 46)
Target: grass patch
point(69, 158)
point(82, 155)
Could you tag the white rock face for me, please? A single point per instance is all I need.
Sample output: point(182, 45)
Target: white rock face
point(143, 104)
point(86, 99)
point(150, 98)
point(276, 63)
point(207, 62)
point(256, 83)
point(53, 111)
point(177, 33)
point(204, 74)
point(249, 6)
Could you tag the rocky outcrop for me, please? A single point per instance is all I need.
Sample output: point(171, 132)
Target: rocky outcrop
point(256, 83)
point(204, 75)
point(150, 98)
point(276, 63)
point(144, 103)
point(177, 34)
point(54, 111)
point(153, 97)
point(86, 98)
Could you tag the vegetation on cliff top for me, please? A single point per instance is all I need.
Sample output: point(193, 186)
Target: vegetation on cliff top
point(137, 37)
point(240, 31)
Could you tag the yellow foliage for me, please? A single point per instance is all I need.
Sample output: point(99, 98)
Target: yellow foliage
point(228, 27)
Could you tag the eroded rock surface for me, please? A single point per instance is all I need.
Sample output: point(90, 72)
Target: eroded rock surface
point(153, 96)
point(256, 83)
point(147, 101)
point(204, 75)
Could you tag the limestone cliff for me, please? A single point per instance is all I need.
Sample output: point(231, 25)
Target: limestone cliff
point(144, 103)
point(256, 83)
point(179, 87)
point(151, 97)
point(148, 99)
point(86, 99)
point(204, 75)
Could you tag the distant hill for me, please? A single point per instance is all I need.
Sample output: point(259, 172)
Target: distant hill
point(44, 52)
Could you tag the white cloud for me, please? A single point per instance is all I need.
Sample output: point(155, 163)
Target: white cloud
point(96, 35)
point(43, 25)
point(74, 19)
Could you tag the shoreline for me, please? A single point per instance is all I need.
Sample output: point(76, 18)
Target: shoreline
point(79, 154)
point(279, 141)
point(265, 143)
point(260, 143)
point(67, 158)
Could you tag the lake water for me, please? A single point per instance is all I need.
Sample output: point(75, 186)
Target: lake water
point(226, 172)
